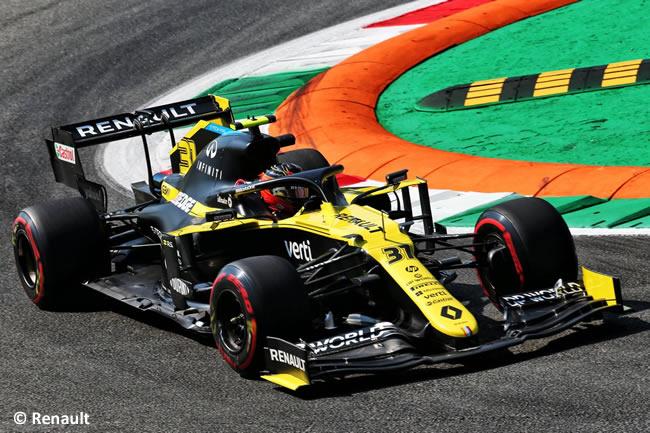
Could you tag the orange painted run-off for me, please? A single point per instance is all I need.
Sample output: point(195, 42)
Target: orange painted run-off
point(335, 113)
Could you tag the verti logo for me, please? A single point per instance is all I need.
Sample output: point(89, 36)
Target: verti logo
point(299, 250)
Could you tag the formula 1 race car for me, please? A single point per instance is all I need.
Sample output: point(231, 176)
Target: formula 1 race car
point(352, 280)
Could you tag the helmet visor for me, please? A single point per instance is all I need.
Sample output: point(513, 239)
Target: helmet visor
point(291, 192)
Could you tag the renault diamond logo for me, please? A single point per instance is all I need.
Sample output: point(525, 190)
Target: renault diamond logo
point(450, 312)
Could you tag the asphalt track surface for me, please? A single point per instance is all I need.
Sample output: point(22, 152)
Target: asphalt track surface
point(67, 61)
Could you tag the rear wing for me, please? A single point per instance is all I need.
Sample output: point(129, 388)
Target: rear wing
point(154, 119)
point(67, 140)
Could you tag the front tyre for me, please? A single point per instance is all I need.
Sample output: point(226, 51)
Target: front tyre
point(525, 245)
point(251, 299)
point(58, 244)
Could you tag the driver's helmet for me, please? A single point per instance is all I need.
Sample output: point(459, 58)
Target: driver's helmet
point(283, 201)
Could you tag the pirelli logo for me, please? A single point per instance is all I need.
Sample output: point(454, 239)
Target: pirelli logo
point(544, 84)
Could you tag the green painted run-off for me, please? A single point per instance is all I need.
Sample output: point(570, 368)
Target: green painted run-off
point(256, 96)
point(608, 127)
point(578, 212)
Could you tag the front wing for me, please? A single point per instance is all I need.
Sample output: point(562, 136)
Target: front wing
point(384, 347)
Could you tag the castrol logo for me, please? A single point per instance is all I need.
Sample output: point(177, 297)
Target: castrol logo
point(65, 153)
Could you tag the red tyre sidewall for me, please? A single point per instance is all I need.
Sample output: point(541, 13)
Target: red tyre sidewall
point(510, 243)
point(228, 282)
point(23, 226)
point(501, 226)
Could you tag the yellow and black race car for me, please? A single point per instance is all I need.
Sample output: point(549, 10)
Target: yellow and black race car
point(297, 279)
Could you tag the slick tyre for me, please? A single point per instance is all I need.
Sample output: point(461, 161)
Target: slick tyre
point(251, 299)
point(525, 246)
point(58, 244)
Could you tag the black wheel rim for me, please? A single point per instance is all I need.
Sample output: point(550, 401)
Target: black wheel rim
point(26, 260)
point(498, 275)
point(231, 320)
point(488, 278)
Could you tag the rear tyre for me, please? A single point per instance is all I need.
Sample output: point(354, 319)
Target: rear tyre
point(58, 244)
point(526, 246)
point(251, 299)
